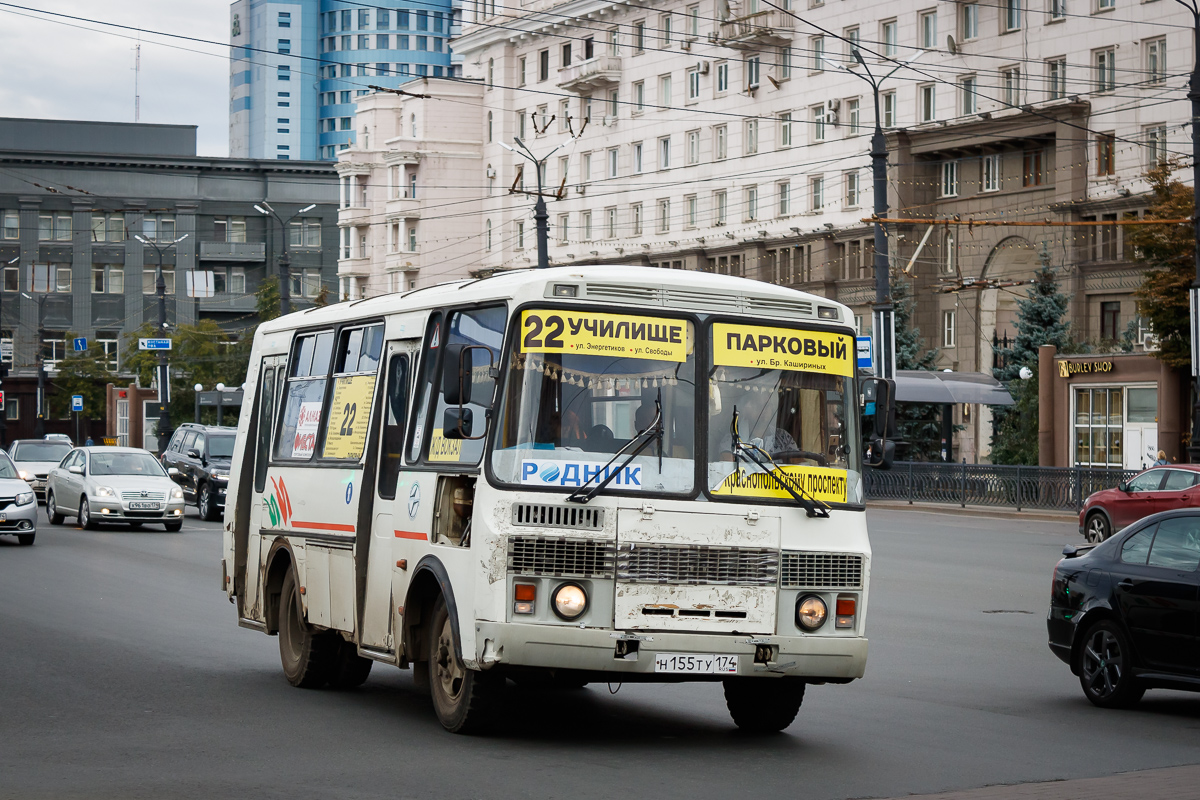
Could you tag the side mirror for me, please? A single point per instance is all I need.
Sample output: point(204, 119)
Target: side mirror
point(458, 423)
point(457, 368)
point(75, 470)
point(1123, 486)
point(876, 400)
point(193, 453)
point(173, 473)
point(880, 454)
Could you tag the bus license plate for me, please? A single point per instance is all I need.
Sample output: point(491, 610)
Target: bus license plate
point(696, 664)
point(143, 506)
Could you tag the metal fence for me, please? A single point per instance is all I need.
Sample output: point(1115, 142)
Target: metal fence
point(990, 484)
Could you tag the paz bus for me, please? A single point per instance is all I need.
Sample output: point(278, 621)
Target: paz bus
point(557, 476)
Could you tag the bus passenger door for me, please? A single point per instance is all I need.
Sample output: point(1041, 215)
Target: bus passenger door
point(377, 608)
point(269, 378)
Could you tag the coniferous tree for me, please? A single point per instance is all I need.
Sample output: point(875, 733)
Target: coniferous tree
point(918, 425)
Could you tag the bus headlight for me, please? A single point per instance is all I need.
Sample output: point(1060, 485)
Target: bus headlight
point(811, 612)
point(569, 601)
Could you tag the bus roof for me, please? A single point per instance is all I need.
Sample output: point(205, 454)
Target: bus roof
point(649, 287)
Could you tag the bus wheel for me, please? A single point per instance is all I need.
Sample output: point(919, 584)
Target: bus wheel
point(763, 705)
point(462, 697)
point(350, 670)
point(307, 656)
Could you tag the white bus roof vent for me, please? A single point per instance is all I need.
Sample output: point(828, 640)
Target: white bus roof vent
point(624, 293)
point(695, 299)
point(779, 306)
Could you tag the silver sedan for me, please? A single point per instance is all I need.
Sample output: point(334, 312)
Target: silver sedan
point(18, 511)
point(113, 484)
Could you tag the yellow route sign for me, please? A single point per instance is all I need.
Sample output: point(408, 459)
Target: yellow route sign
point(596, 334)
point(820, 483)
point(783, 348)
point(349, 413)
point(443, 449)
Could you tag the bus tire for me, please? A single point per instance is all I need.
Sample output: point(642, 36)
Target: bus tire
point(307, 656)
point(463, 698)
point(350, 670)
point(763, 705)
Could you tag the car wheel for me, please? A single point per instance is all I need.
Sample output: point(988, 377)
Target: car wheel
point(173, 527)
point(85, 516)
point(1106, 667)
point(463, 698)
point(52, 510)
point(1097, 529)
point(208, 509)
point(25, 539)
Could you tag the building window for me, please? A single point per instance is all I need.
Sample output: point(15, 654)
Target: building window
point(889, 109)
point(852, 39)
point(722, 82)
point(305, 232)
point(664, 91)
point(106, 227)
point(950, 253)
point(751, 136)
point(12, 279)
point(853, 187)
point(637, 157)
point(1105, 64)
point(664, 216)
point(284, 46)
point(639, 97)
point(1156, 60)
point(753, 65)
point(664, 153)
point(949, 183)
point(544, 65)
point(720, 142)
point(853, 116)
point(816, 47)
point(1099, 424)
point(284, 20)
point(487, 236)
point(1156, 145)
point(1110, 320)
point(1031, 171)
point(639, 37)
point(564, 225)
point(969, 16)
point(785, 129)
point(107, 279)
point(816, 187)
point(230, 229)
point(635, 215)
point(1106, 148)
point(948, 328)
point(693, 85)
point(928, 30)
point(149, 277)
point(969, 89)
point(610, 223)
point(520, 238)
point(12, 225)
point(720, 207)
point(1011, 15)
point(818, 123)
point(612, 162)
point(785, 63)
point(689, 211)
point(284, 72)
point(887, 35)
point(1056, 78)
point(693, 147)
point(1010, 80)
point(991, 173)
point(927, 94)
point(1058, 10)
point(54, 227)
point(784, 191)
point(1106, 5)
point(666, 24)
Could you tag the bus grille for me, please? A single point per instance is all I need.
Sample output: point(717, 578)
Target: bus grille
point(822, 571)
point(547, 516)
point(560, 557)
point(697, 564)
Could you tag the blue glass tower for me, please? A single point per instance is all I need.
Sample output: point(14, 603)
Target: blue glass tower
point(297, 66)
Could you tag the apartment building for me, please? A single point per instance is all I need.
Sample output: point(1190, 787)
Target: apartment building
point(733, 137)
point(409, 197)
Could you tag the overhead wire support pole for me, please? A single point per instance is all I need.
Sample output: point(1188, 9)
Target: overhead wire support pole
point(1193, 96)
point(160, 289)
point(285, 260)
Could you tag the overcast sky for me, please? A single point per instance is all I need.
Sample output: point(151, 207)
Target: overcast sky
point(55, 71)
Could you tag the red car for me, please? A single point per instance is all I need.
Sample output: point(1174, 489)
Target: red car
point(1157, 489)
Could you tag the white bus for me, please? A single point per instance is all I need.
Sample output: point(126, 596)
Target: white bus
point(558, 476)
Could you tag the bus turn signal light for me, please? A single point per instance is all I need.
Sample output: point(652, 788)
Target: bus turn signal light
point(524, 594)
point(846, 608)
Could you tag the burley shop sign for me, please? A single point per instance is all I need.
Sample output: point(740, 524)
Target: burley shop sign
point(1068, 368)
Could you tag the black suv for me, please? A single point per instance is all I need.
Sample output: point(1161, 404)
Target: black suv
point(198, 459)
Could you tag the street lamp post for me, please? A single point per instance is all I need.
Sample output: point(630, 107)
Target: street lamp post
point(285, 262)
point(160, 288)
point(541, 216)
point(1193, 95)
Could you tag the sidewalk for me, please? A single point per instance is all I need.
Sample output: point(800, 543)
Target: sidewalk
point(1003, 512)
point(1170, 783)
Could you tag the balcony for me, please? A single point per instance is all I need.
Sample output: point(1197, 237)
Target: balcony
point(228, 303)
point(403, 208)
point(359, 267)
point(402, 262)
point(354, 216)
point(587, 76)
point(752, 31)
point(232, 251)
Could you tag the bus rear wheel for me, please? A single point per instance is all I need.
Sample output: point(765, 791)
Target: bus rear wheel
point(463, 698)
point(307, 655)
point(350, 670)
point(763, 705)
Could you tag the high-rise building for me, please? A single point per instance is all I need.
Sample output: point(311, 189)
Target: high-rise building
point(297, 67)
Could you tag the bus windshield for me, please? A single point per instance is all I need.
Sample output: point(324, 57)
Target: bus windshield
point(581, 385)
point(787, 394)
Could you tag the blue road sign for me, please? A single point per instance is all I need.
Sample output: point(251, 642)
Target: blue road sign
point(154, 344)
point(80, 345)
point(77, 402)
point(862, 348)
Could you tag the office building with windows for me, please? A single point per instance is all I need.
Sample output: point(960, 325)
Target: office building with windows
point(297, 67)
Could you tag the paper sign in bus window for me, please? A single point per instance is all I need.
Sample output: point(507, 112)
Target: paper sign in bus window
point(783, 348)
point(593, 333)
point(443, 449)
point(349, 413)
point(820, 483)
point(307, 425)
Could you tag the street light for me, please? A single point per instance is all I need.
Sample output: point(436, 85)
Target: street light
point(541, 216)
point(160, 288)
point(285, 264)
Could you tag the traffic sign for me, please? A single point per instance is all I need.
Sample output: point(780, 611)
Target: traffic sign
point(77, 402)
point(81, 345)
point(862, 349)
point(154, 344)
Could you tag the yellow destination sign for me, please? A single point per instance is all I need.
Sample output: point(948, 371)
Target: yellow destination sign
point(782, 348)
point(346, 431)
point(443, 449)
point(820, 483)
point(593, 333)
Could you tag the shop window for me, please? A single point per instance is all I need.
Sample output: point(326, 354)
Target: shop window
point(1099, 422)
point(1143, 404)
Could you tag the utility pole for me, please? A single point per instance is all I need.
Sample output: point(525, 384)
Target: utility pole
point(1193, 96)
point(541, 216)
point(285, 261)
point(160, 288)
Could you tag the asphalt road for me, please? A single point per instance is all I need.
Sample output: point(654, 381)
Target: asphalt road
point(123, 674)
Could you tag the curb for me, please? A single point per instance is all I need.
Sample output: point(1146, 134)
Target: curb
point(975, 511)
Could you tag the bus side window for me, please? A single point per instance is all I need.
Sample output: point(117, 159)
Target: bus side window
point(395, 406)
point(355, 370)
point(266, 403)
point(429, 362)
point(304, 396)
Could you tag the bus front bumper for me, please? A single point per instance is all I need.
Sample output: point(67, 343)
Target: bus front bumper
point(838, 658)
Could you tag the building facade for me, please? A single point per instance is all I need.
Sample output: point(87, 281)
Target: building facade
point(409, 190)
point(73, 196)
point(733, 137)
point(298, 66)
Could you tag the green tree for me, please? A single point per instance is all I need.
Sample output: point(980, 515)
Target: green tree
point(918, 425)
point(1167, 253)
point(267, 299)
point(202, 353)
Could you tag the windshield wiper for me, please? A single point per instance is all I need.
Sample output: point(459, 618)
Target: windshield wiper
point(812, 507)
point(653, 432)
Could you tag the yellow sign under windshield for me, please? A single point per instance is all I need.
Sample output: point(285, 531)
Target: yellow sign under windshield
point(819, 483)
point(595, 334)
point(782, 348)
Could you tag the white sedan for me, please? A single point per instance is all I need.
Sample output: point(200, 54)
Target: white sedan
point(113, 484)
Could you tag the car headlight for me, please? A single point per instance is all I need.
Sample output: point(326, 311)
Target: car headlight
point(569, 601)
point(24, 498)
point(811, 612)
point(104, 491)
point(219, 475)
point(176, 494)
point(24, 475)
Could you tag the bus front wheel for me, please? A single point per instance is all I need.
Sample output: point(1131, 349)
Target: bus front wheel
point(763, 705)
point(463, 698)
point(307, 655)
